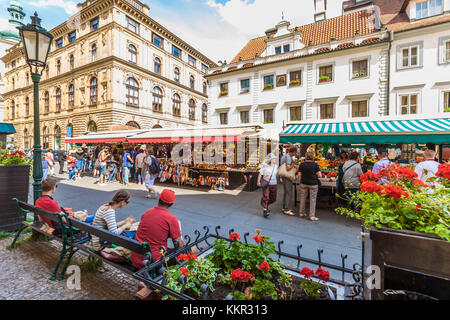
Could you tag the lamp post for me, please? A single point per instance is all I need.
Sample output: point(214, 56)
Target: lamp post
point(36, 41)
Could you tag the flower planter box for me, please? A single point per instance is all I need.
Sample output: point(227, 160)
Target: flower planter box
point(408, 260)
point(294, 84)
point(14, 183)
point(212, 282)
point(269, 87)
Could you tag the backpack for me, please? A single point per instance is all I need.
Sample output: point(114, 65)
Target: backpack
point(155, 166)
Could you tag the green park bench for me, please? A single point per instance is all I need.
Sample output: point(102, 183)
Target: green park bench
point(74, 236)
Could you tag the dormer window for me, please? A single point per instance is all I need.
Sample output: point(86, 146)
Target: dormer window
point(286, 48)
point(427, 8)
point(278, 50)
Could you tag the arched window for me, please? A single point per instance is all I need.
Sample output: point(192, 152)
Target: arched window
point(46, 102)
point(57, 138)
point(92, 126)
point(94, 53)
point(156, 126)
point(157, 65)
point(27, 107)
point(191, 109)
point(69, 132)
point(132, 91)
point(192, 82)
point(204, 113)
point(205, 88)
point(13, 110)
point(176, 108)
point(176, 73)
point(45, 138)
point(71, 95)
point(133, 53)
point(72, 61)
point(133, 124)
point(58, 100)
point(157, 99)
point(93, 90)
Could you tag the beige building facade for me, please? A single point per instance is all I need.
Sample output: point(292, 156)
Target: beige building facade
point(109, 65)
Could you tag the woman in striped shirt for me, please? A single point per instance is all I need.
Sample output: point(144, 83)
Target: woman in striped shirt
point(105, 217)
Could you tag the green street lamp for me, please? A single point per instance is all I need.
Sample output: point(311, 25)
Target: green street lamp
point(36, 41)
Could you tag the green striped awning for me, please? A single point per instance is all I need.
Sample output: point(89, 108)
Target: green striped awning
point(7, 128)
point(396, 131)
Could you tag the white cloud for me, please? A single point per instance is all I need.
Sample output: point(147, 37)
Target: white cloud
point(70, 7)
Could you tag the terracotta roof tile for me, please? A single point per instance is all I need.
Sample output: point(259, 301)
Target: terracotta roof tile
point(345, 45)
point(321, 50)
point(342, 27)
point(232, 68)
point(370, 40)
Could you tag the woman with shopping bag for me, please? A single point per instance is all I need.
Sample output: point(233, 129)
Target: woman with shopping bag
point(287, 173)
point(267, 180)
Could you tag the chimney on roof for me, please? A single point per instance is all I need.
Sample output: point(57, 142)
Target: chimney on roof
point(356, 32)
point(310, 43)
point(240, 58)
point(333, 38)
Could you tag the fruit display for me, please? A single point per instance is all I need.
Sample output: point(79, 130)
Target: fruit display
point(323, 163)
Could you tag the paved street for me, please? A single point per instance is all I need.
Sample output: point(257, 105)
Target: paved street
point(196, 208)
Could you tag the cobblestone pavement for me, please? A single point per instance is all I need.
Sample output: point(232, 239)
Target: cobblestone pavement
point(25, 275)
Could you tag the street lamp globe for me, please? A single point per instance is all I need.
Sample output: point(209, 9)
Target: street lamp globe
point(36, 41)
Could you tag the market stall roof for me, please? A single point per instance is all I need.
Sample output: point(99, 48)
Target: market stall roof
point(7, 128)
point(395, 131)
point(104, 137)
point(204, 134)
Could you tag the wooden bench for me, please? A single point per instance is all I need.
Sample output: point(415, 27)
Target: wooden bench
point(25, 208)
point(72, 243)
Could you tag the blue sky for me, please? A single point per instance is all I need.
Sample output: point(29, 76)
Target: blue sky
point(217, 28)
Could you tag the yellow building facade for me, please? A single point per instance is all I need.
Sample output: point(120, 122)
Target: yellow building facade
point(109, 65)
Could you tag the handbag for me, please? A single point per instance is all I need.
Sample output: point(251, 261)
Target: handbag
point(265, 183)
point(285, 173)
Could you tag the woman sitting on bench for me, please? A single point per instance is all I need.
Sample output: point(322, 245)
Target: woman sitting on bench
point(105, 217)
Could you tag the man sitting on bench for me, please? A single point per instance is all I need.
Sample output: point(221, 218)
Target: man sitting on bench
point(47, 203)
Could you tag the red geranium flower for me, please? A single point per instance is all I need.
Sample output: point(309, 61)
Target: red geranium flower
point(323, 274)
point(394, 191)
point(182, 257)
point(420, 183)
point(371, 186)
point(235, 236)
point(264, 266)
point(184, 271)
point(307, 272)
point(369, 176)
point(240, 275)
point(418, 207)
point(443, 171)
point(258, 238)
point(191, 256)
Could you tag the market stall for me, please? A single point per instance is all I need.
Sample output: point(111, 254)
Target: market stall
point(405, 141)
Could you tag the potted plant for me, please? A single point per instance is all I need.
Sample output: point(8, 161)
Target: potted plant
point(223, 93)
point(14, 183)
point(268, 86)
point(324, 79)
point(407, 222)
point(294, 83)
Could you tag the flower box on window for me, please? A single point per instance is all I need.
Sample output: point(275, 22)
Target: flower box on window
point(324, 79)
point(447, 109)
point(245, 90)
point(268, 86)
point(294, 83)
point(223, 93)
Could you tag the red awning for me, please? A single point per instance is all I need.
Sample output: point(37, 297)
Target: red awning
point(187, 139)
point(105, 140)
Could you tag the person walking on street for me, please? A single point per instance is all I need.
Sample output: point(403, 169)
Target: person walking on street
point(71, 164)
point(113, 162)
point(151, 169)
point(427, 169)
point(288, 185)
point(308, 177)
point(140, 165)
point(61, 159)
point(127, 164)
point(79, 155)
point(351, 178)
point(133, 170)
point(51, 162)
point(103, 158)
point(267, 180)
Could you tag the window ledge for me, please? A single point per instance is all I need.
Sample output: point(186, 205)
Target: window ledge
point(132, 105)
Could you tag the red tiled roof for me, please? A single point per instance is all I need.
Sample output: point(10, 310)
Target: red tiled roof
point(345, 45)
point(321, 50)
point(370, 40)
point(342, 27)
point(232, 68)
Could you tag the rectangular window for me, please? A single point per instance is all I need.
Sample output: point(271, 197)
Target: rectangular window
point(295, 113)
point(224, 89)
point(327, 111)
point(359, 109)
point(224, 118)
point(245, 116)
point(428, 8)
point(72, 36)
point(176, 52)
point(245, 86)
point(157, 41)
point(268, 82)
point(278, 50)
point(59, 43)
point(295, 78)
point(326, 73)
point(359, 69)
point(132, 25)
point(94, 24)
point(447, 101)
point(204, 68)
point(192, 61)
point(447, 51)
point(287, 48)
point(268, 115)
point(408, 104)
point(410, 56)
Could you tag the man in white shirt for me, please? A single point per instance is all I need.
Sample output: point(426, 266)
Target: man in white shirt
point(427, 168)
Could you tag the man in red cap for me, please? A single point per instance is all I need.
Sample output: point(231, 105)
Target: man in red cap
point(157, 225)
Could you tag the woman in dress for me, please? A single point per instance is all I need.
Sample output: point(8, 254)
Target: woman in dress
point(267, 179)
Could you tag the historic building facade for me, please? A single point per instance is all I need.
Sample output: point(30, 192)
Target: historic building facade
point(109, 65)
